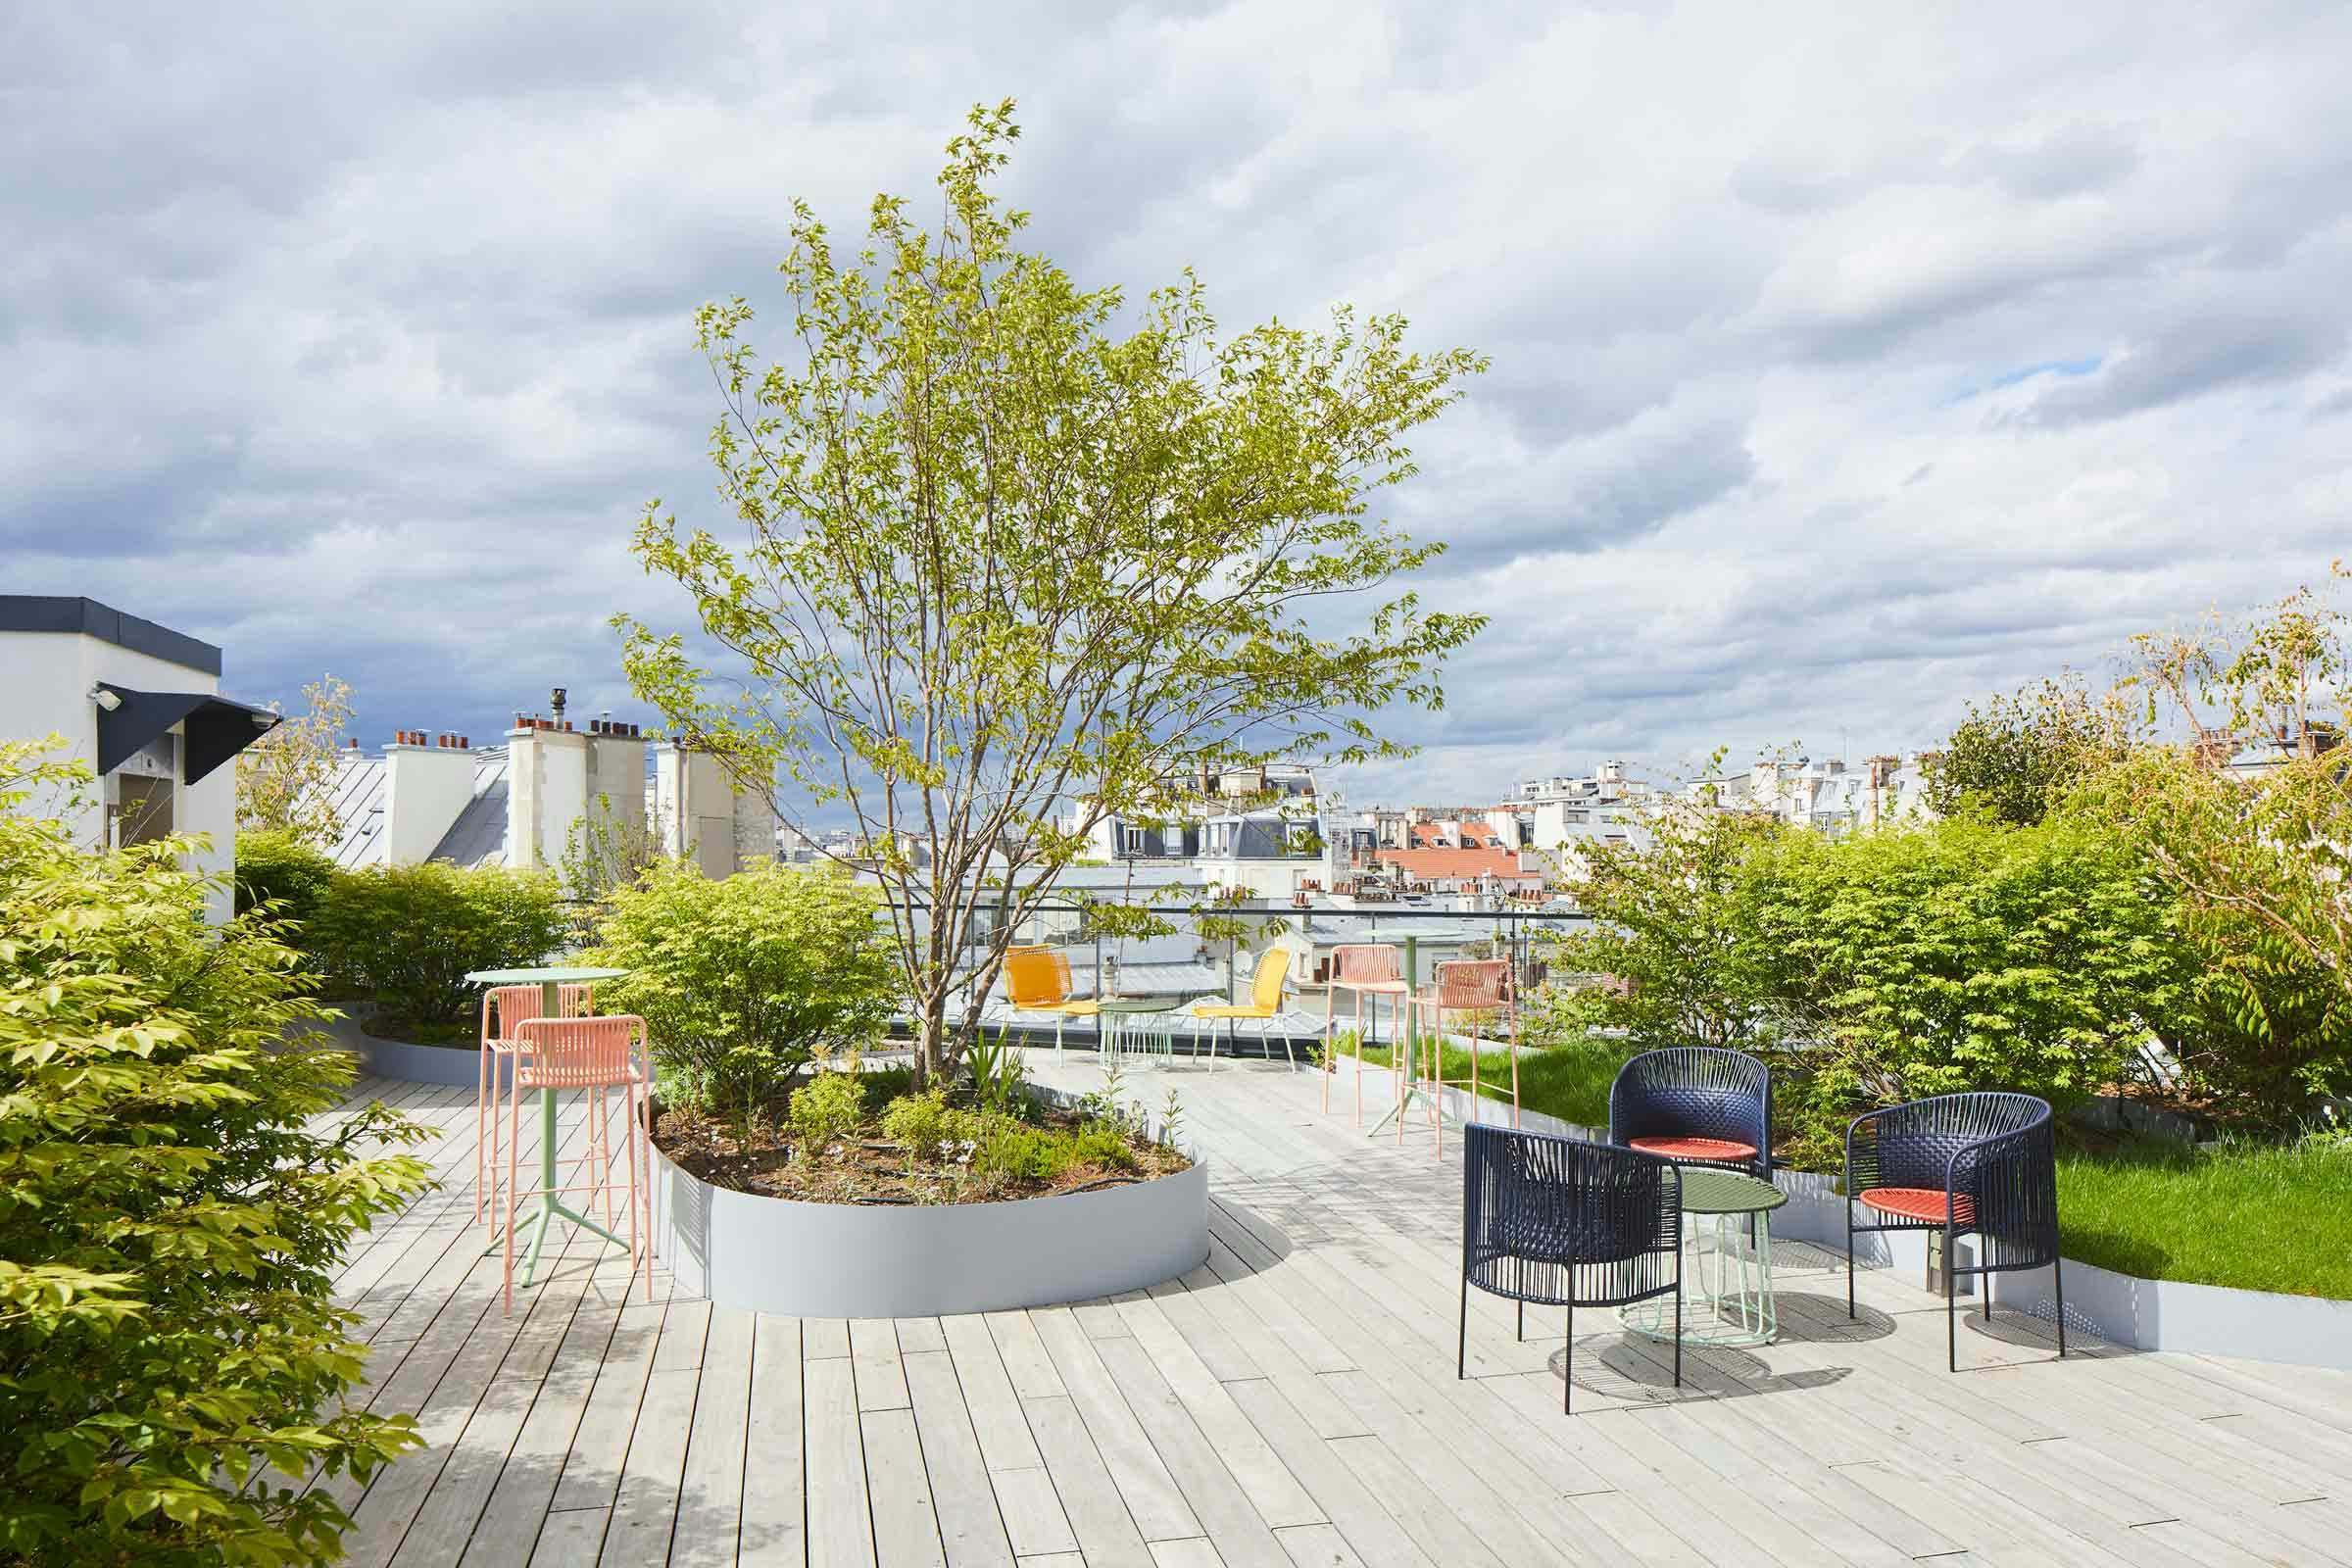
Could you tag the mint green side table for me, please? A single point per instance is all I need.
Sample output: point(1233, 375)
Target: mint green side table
point(550, 979)
point(1737, 1295)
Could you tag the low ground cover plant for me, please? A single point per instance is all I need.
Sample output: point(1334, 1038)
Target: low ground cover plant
point(2257, 1213)
point(173, 1364)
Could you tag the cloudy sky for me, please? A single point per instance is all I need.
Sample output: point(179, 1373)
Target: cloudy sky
point(1849, 360)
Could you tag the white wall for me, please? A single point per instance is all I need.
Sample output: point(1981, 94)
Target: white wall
point(426, 787)
point(45, 680)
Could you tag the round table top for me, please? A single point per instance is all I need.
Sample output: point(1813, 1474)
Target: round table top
point(544, 975)
point(1141, 1004)
point(1706, 1191)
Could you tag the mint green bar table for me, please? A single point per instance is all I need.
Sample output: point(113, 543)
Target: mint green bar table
point(550, 979)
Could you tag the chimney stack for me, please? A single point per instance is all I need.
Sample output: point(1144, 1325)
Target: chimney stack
point(428, 782)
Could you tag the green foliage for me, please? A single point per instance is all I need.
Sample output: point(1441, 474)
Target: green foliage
point(402, 938)
point(927, 1127)
point(605, 848)
point(2015, 759)
point(172, 1212)
point(742, 980)
point(1011, 1154)
point(285, 871)
point(830, 1105)
point(1676, 940)
point(1000, 1073)
point(1009, 543)
point(2257, 860)
point(1933, 958)
point(1103, 1144)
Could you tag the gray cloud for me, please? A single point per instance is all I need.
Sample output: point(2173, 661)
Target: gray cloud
point(358, 341)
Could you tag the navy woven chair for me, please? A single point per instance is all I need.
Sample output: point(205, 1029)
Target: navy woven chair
point(1698, 1104)
point(1561, 1222)
point(1981, 1165)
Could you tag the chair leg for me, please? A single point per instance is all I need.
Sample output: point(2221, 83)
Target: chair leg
point(1462, 1332)
point(1329, 1068)
point(1677, 1323)
point(2058, 1289)
point(1849, 1255)
point(482, 1114)
point(1568, 1364)
point(1952, 1313)
point(513, 1137)
point(1522, 1330)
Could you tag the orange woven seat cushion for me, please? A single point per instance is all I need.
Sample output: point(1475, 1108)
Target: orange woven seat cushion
point(1915, 1203)
point(1710, 1149)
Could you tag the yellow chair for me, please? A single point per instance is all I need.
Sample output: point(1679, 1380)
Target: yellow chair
point(1265, 1001)
point(1038, 980)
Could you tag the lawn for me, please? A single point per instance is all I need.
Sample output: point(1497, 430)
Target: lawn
point(2258, 1216)
point(1567, 1081)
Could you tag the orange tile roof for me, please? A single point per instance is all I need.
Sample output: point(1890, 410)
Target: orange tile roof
point(1427, 834)
point(1436, 864)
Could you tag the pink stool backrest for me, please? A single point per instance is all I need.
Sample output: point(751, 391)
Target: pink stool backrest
point(577, 1052)
point(1366, 962)
point(515, 1005)
point(1471, 985)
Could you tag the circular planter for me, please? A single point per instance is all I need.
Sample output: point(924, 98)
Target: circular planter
point(780, 1255)
point(460, 1067)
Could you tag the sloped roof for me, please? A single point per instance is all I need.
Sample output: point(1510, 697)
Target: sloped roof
point(1434, 864)
point(478, 836)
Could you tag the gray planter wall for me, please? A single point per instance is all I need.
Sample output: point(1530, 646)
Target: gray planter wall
point(2147, 1314)
point(457, 1065)
point(777, 1254)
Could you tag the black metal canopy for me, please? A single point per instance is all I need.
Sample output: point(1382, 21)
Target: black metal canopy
point(214, 729)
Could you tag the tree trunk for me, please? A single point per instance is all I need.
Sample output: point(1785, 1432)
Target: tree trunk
point(931, 1039)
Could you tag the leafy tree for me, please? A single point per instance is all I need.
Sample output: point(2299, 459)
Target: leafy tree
point(285, 780)
point(1675, 935)
point(1011, 544)
point(402, 938)
point(2015, 758)
point(741, 981)
point(2260, 856)
point(172, 1217)
point(607, 848)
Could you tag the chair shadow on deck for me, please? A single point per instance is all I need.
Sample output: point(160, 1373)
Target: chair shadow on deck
point(1625, 1366)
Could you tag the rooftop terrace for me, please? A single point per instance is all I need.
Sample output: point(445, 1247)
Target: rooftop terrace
point(1293, 1403)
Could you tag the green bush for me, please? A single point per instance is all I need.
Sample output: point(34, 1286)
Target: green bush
point(172, 1211)
point(404, 938)
point(927, 1127)
point(1010, 1153)
point(741, 981)
point(280, 870)
point(1103, 1144)
point(828, 1107)
point(1961, 955)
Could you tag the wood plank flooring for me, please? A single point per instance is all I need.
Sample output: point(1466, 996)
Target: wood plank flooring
point(1290, 1403)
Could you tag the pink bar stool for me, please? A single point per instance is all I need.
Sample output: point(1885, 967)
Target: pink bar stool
point(511, 1006)
point(599, 1055)
point(1365, 970)
point(1481, 989)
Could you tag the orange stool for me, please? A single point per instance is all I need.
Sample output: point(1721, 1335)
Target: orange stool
point(1364, 969)
point(1481, 988)
point(513, 1005)
point(598, 1055)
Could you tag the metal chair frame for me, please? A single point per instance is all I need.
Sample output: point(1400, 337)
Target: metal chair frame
point(1460, 986)
point(1561, 1222)
point(1697, 1092)
point(1363, 969)
point(513, 1005)
point(1993, 1159)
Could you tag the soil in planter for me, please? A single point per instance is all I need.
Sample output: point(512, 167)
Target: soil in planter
point(865, 1168)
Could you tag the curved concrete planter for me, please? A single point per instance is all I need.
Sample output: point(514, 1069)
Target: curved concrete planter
point(779, 1255)
point(457, 1065)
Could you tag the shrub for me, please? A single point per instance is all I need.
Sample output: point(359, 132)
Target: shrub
point(1010, 1152)
point(172, 1210)
point(927, 1127)
point(281, 871)
point(828, 1107)
point(405, 937)
point(1962, 956)
point(741, 981)
point(1103, 1145)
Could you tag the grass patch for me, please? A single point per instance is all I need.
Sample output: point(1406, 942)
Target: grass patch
point(1567, 1081)
point(2254, 1215)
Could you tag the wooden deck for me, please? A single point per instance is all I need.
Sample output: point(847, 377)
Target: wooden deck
point(1294, 1403)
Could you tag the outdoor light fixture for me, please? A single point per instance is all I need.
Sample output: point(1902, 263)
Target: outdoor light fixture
point(105, 699)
